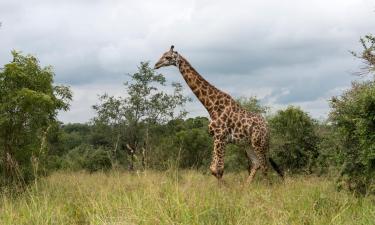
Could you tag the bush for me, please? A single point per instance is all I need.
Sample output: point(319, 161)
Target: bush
point(353, 115)
point(98, 160)
point(186, 143)
point(235, 158)
point(293, 140)
point(329, 145)
point(86, 157)
point(29, 102)
point(196, 145)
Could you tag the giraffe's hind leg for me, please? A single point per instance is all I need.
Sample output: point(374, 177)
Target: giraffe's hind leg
point(249, 163)
point(253, 164)
point(257, 155)
point(258, 161)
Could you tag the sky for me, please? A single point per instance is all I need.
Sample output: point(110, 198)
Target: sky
point(290, 52)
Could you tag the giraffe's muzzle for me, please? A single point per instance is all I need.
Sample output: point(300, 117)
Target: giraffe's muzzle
point(157, 65)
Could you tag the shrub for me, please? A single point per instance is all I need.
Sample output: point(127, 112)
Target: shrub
point(98, 160)
point(353, 115)
point(29, 102)
point(294, 142)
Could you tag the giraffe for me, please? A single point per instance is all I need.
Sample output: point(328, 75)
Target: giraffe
point(229, 123)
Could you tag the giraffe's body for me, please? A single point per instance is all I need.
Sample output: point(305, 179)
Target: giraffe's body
point(230, 123)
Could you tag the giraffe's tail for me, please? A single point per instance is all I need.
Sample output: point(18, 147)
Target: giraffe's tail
point(276, 167)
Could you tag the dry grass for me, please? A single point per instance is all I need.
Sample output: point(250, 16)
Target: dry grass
point(186, 197)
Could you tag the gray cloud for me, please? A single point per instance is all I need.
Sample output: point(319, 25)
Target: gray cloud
point(289, 52)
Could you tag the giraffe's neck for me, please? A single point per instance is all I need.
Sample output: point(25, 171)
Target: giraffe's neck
point(207, 94)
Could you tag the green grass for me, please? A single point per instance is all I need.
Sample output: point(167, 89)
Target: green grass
point(185, 197)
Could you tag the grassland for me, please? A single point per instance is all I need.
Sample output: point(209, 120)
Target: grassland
point(185, 197)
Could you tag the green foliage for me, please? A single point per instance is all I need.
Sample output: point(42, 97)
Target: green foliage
point(29, 103)
point(186, 143)
point(64, 137)
point(146, 102)
point(75, 159)
point(329, 146)
point(252, 104)
point(126, 122)
point(353, 115)
point(367, 54)
point(99, 160)
point(83, 157)
point(294, 142)
point(235, 158)
point(195, 143)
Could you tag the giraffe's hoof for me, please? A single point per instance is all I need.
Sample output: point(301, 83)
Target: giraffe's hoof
point(220, 173)
point(217, 172)
point(213, 170)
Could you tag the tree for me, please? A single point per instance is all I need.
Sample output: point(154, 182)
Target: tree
point(64, 137)
point(194, 143)
point(367, 55)
point(328, 146)
point(252, 104)
point(132, 117)
point(29, 103)
point(353, 115)
point(109, 122)
point(293, 139)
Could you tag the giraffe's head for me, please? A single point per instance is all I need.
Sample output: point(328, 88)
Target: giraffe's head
point(167, 59)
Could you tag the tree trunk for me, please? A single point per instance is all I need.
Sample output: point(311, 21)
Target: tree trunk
point(10, 165)
point(115, 149)
point(42, 151)
point(131, 152)
point(144, 158)
point(144, 149)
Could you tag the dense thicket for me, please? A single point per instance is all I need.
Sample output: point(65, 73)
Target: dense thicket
point(29, 103)
point(353, 119)
point(188, 144)
point(294, 140)
point(353, 116)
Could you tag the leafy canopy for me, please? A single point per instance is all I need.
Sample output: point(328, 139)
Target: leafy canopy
point(29, 103)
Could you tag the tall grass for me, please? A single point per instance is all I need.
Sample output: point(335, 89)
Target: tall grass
point(186, 197)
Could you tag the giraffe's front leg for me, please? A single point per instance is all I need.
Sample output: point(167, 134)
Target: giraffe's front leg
point(217, 164)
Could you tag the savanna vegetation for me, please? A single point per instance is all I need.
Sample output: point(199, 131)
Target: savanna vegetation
point(182, 197)
point(141, 160)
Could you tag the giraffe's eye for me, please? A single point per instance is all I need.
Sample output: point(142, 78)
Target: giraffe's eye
point(168, 57)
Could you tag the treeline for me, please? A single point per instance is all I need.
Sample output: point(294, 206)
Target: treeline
point(148, 129)
point(296, 141)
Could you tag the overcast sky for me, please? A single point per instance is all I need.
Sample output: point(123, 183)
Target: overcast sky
point(290, 52)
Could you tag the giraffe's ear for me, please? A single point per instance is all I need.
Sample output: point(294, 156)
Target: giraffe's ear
point(172, 47)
